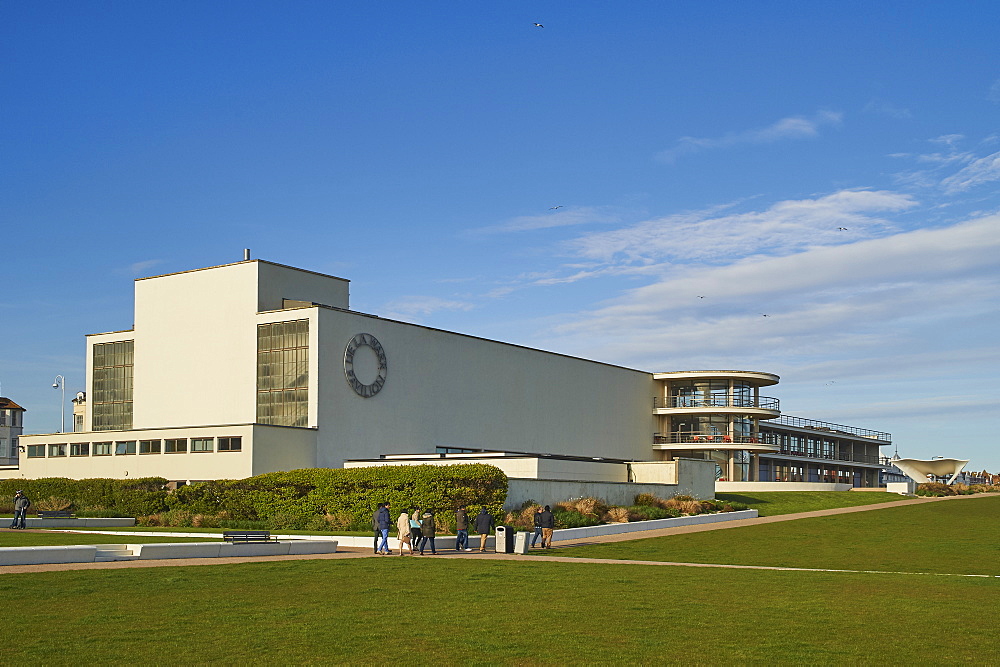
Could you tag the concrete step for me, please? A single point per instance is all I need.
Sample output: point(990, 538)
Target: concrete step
point(108, 559)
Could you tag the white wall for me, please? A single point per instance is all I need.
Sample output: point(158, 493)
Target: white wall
point(445, 389)
point(196, 347)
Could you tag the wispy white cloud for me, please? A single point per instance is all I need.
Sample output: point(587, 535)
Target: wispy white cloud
point(977, 172)
point(141, 267)
point(820, 303)
point(994, 92)
point(791, 127)
point(885, 108)
point(409, 308)
point(564, 217)
point(783, 228)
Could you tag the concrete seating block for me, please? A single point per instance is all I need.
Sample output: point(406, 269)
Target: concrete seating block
point(253, 549)
point(44, 555)
point(312, 547)
point(176, 550)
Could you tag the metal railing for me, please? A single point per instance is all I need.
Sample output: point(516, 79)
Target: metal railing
point(812, 424)
point(855, 458)
point(696, 438)
point(762, 403)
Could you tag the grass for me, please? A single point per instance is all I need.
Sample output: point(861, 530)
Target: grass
point(17, 538)
point(950, 536)
point(772, 503)
point(464, 611)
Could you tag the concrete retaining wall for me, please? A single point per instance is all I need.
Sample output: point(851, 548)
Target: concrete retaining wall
point(737, 487)
point(123, 522)
point(42, 555)
point(697, 479)
point(654, 524)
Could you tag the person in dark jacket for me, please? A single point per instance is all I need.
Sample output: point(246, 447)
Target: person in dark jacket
point(484, 524)
point(384, 522)
point(538, 526)
point(548, 522)
point(461, 529)
point(21, 505)
point(427, 530)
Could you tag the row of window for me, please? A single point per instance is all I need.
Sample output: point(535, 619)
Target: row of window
point(130, 447)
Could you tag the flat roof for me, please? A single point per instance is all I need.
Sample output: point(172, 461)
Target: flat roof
point(245, 261)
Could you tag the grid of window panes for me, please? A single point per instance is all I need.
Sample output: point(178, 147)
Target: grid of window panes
point(112, 390)
point(283, 373)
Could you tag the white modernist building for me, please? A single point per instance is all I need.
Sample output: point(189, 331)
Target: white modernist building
point(253, 367)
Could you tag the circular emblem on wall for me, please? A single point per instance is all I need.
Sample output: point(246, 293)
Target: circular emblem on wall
point(360, 388)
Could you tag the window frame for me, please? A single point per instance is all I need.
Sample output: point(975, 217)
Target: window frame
point(146, 443)
point(173, 443)
point(211, 445)
point(225, 443)
point(85, 446)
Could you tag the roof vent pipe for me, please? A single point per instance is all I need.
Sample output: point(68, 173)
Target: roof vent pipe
point(246, 254)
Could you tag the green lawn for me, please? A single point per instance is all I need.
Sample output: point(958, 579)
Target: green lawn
point(771, 503)
point(17, 538)
point(453, 611)
point(951, 536)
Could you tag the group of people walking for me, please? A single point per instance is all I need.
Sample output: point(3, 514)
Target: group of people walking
point(416, 529)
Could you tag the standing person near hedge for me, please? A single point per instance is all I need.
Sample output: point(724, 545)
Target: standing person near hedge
point(484, 524)
point(548, 522)
point(384, 522)
point(378, 533)
point(428, 531)
point(21, 505)
point(538, 527)
point(461, 529)
point(403, 526)
point(415, 534)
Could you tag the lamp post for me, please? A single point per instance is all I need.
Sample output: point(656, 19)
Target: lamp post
point(60, 383)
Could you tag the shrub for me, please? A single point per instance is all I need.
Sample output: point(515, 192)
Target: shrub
point(573, 519)
point(292, 499)
point(54, 504)
point(110, 497)
point(935, 489)
point(617, 515)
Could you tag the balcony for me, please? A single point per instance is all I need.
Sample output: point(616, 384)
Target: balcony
point(762, 406)
point(830, 456)
point(694, 440)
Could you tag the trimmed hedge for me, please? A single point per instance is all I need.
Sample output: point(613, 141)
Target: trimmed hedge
point(296, 498)
point(120, 497)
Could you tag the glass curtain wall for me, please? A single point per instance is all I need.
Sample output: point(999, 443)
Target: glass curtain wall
point(283, 373)
point(112, 390)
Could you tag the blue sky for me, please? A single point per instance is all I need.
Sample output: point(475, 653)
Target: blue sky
point(834, 166)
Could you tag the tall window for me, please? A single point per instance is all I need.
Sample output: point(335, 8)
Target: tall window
point(112, 390)
point(283, 373)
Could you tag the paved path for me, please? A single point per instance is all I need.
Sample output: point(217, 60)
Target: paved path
point(351, 552)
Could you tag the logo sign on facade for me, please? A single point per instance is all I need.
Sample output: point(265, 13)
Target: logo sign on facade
point(360, 388)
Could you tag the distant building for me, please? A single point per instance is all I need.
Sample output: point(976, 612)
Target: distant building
point(252, 367)
point(11, 427)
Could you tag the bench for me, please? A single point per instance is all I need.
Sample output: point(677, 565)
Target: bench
point(55, 514)
point(247, 536)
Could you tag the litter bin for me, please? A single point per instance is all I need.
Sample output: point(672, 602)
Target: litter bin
point(505, 539)
point(521, 543)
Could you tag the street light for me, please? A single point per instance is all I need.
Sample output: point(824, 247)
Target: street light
point(60, 383)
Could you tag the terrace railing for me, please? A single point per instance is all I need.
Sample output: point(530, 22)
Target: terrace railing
point(716, 401)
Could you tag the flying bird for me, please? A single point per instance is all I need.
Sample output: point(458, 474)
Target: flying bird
point(841, 229)
point(764, 315)
point(700, 297)
point(552, 208)
point(538, 25)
